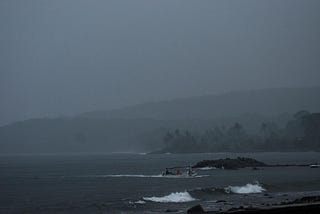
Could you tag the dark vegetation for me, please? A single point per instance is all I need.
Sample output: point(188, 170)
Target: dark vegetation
point(108, 135)
point(241, 162)
point(229, 163)
point(254, 120)
point(302, 134)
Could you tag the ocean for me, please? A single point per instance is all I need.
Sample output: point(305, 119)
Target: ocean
point(132, 183)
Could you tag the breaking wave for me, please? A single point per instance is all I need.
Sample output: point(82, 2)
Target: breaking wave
point(137, 202)
point(246, 189)
point(134, 176)
point(207, 168)
point(181, 197)
point(177, 197)
point(150, 176)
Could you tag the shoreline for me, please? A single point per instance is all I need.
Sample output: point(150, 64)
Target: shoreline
point(307, 204)
point(312, 208)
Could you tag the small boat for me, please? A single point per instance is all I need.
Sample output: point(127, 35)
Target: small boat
point(314, 166)
point(179, 172)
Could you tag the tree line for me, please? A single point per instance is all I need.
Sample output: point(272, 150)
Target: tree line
point(302, 133)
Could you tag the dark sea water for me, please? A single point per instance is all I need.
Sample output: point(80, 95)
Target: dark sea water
point(126, 183)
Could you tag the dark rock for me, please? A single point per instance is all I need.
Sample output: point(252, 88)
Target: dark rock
point(196, 209)
point(307, 199)
point(228, 203)
point(229, 163)
point(171, 210)
point(296, 209)
point(250, 208)
point(232, 209)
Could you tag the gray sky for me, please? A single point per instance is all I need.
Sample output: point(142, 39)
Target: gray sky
point(69, 56)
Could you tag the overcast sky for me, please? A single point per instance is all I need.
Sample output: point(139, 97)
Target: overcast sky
point(70, 56)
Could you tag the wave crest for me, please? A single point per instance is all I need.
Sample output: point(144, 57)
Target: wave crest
point(137, 202)
point(246, 189)
point(152, 176)
point(207, 168)
point(177, 197)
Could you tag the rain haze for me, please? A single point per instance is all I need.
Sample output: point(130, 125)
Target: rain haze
point(159, 106)
point(67, 57)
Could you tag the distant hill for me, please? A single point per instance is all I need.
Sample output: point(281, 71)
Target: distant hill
point(264, 102)
point(89, 135)
point(142, 127)
point(75, 135)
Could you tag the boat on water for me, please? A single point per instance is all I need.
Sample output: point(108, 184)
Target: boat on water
point(314, 166)
point(179, 171)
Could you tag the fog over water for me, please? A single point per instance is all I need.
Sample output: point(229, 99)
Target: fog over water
point(156, 106)
point(84, 183)
point(68, 57)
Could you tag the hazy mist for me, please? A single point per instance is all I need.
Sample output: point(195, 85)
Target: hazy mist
point(68, 57)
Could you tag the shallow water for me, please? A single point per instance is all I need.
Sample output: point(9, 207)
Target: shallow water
point(113, 183)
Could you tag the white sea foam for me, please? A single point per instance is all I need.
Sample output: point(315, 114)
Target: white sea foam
point(246, 189)
point(140, 202)
point(177, 197)
point(134, 176)
point(137, 202)
point(151, 176)
point(207, 168)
